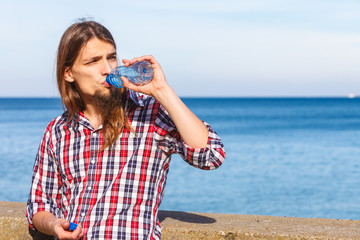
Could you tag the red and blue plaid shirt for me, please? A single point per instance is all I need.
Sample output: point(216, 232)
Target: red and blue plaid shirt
point(113, 193)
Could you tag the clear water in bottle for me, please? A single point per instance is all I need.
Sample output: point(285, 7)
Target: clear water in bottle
point(138, 73)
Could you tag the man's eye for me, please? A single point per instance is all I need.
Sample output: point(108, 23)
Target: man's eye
point(91, 62)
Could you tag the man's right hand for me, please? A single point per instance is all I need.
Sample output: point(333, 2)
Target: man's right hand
point(60, 228)
point(47, 223)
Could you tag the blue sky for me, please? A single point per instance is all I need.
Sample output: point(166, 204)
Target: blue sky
point(206, 48)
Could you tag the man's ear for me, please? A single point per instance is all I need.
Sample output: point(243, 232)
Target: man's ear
point(68, 75)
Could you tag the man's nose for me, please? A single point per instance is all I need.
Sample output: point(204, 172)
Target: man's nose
point(106, 67)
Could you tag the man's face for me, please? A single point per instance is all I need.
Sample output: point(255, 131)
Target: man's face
point(95, 61)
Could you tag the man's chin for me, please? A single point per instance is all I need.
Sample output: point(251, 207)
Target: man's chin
point(107, 97)
point(104, 93)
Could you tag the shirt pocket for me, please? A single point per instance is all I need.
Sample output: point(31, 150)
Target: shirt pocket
point(74, 169)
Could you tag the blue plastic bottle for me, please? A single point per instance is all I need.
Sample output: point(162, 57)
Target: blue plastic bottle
point(138, 73)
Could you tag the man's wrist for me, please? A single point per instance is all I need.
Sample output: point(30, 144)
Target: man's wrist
point(164, 95)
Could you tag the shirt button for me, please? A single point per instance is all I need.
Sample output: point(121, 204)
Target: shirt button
point(89, 188)
point(82, 214)
point(93, 161)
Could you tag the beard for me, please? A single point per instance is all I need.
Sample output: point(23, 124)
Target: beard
point(108, 102)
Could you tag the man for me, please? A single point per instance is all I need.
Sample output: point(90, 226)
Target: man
point(103, 163)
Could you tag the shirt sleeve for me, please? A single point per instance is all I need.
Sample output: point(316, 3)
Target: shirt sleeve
point(44, 193)
point(170, 141)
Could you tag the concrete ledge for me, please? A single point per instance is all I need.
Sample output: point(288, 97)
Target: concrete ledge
point(183, 225)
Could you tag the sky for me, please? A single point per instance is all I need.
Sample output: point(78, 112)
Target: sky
point(207, 48)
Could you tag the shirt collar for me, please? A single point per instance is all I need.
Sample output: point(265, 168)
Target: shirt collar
point(83, 120)
point(137, 98)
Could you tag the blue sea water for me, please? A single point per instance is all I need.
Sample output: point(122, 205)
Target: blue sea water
point(297, 157)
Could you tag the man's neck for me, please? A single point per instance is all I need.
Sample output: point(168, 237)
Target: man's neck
point(94, 115)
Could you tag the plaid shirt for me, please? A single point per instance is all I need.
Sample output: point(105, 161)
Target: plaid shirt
point(114, 193)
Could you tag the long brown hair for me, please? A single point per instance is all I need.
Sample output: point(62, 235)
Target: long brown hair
point(71, 43)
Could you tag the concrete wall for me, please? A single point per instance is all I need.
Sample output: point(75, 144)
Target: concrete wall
point(184, 225)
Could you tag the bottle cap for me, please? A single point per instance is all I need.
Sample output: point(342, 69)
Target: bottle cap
point(72, 226)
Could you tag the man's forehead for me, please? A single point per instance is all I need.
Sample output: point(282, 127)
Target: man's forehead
point(96, 47)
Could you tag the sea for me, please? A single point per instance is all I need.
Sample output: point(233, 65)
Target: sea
point(294, 157)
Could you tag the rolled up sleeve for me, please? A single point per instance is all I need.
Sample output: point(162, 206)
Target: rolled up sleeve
point(207, 158)
point(44, 193)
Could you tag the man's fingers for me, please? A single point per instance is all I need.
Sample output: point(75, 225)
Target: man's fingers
point(129, 85)
point(78, 232)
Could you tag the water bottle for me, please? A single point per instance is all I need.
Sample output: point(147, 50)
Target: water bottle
point(138, 73)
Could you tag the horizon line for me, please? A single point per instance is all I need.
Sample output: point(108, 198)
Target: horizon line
point(254, 96)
